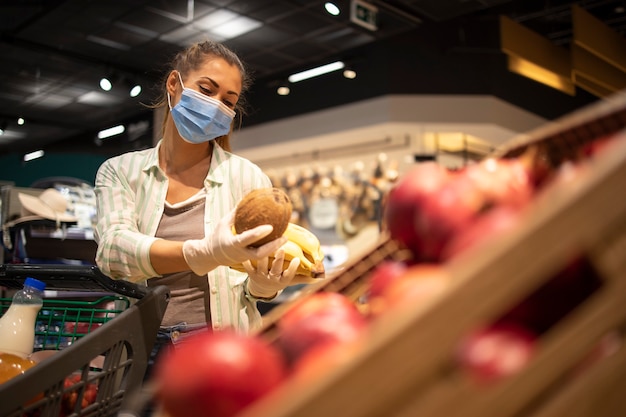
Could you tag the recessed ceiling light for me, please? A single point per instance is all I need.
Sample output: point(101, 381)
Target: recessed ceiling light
point(332, 8)
point(105, 84)
point(349, 73)
point(135, 90)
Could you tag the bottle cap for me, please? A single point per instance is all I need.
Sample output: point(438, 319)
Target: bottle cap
point(32, 282)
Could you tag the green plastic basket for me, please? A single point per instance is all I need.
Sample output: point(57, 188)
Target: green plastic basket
point(61, 322)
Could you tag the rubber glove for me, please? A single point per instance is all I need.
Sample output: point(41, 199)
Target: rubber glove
point(223, 247)
point(267, 283)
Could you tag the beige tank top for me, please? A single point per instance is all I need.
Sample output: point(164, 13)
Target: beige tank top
point(189, 293)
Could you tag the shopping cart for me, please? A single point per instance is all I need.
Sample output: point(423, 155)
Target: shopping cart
point(95, 350)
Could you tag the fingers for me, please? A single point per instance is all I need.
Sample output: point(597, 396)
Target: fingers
point(269, 248)
point(262, 265)
point(248, 237)
point(290, 272)
point(277, 264)
point(247, 265)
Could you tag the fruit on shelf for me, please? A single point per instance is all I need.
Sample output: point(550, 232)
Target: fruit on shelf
point(497, 221)
point(405, 200)
point(323, 358)
point(383, 275)
point(496, 351)
point(431, 205)
point(302, 244)
point(320, 318)
point(416, 285)
point(502, 181)
point(446, 213)
point(264, 206)
point(217, 374)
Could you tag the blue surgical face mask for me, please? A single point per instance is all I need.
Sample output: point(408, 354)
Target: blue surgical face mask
point(200, 118)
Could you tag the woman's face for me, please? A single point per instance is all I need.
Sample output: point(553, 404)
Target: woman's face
point(216, 78)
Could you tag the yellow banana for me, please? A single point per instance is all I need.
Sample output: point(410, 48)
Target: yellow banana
point(308, 242)
point(302, 244)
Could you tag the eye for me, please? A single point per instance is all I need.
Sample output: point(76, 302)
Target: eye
point(205, 90)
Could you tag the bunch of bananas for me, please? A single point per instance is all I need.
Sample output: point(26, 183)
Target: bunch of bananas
point(302, 244)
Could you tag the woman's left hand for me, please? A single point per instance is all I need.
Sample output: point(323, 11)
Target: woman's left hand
point(264, 282)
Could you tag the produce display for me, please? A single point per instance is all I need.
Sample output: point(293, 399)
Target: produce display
point(495, 290)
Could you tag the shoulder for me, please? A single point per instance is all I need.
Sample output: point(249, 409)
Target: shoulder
point(237, 163)
point(132, 160)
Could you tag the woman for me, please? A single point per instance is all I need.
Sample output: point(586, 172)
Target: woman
point(165, 214)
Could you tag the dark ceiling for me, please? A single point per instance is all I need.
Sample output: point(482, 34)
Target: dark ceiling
point(54, 53)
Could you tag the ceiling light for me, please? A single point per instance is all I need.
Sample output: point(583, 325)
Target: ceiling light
point(314, 72)
point(235, 27)
point(283, 90)
point(332, 8)
point(112, 131)
point(135, 91)
point(134, 88)
point(33, 155)
point(349, 73)
point(105, 84)
point(20, 121)
point(3, 127)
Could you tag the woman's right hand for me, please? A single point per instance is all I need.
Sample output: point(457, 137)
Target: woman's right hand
point(223, 247)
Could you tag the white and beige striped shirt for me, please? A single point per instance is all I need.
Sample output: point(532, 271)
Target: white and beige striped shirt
point(130, 191)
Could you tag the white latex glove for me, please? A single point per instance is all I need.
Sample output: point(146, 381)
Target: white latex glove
point(264, 283)
point(225, 248)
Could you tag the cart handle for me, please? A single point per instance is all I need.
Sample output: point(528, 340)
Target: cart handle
point(63, 277)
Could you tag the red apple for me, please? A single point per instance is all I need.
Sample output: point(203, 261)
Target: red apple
point(496, 351)
point(444, 214)
point(320, 359)
point(319, 318)
point(406, 198)
point(217, 374)
point(492, 223)
point(383, 275)
point(502, 181)
point(419, 284)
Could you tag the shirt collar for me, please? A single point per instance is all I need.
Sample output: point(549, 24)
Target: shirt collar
point(217, 170)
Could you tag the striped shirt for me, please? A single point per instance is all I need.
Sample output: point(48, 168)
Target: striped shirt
point(130, 191)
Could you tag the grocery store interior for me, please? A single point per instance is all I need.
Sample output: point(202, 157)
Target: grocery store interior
point(349, 97)
point(431, 80)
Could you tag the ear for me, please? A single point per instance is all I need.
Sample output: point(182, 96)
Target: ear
point(172, 83)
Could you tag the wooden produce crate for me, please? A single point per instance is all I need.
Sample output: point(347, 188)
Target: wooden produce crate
point(407, 367)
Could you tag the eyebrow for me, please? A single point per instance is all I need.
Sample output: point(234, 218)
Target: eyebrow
point(212, 81)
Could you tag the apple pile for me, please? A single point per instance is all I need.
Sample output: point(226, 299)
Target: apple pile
point(437, 214)
point(431, 206)
point(219, 374)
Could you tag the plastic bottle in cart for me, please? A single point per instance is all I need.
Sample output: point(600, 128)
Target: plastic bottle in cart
point(17, 325)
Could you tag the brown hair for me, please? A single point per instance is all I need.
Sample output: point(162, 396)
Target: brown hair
point(191, 58)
